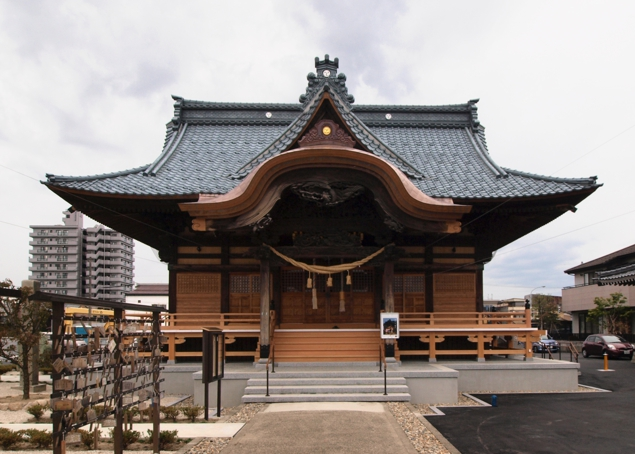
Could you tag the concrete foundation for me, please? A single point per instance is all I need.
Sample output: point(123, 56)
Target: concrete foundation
point(427, 383)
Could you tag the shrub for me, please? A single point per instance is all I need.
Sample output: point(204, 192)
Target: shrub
point(129, 437)
point(147, 413)
point(45, 362)
point(39, 438)
point(192, 412)
point(171, 412)
point(87, 438)
point(37, 410)
point(131, 413)
point(4, 368)
point(9, 438)
point(100, 409)
point(166, 437)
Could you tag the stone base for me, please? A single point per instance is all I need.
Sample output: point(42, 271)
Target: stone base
point(39, 388)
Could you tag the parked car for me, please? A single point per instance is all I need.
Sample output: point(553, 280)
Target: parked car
point(545, 343)
point(614, 346)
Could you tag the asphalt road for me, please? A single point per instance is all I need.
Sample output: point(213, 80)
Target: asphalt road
point(551, 423)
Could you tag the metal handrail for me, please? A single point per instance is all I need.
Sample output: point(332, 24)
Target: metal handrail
point(382, 359)
point(573, 352)
point(272, 348)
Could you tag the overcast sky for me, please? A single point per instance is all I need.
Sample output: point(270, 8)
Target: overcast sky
point(85, 88)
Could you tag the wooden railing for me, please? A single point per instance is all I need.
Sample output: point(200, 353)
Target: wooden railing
point(178, 327)
point(486, 329)
point(464, 319)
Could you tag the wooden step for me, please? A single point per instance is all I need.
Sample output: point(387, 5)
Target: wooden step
point(326, 345)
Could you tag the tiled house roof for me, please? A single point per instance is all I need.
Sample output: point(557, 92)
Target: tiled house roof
point(210, 147)
point(611, 261)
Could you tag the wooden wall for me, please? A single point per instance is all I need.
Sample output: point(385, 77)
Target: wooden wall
point(198, 292)
point(454, 292)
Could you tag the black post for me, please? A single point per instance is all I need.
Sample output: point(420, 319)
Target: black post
point(218, 398)
point(273, 360)
point(206, 401)
point(267, 380)
point(385, 385)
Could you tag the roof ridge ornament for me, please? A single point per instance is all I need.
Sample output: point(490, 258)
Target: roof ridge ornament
point(326, 75)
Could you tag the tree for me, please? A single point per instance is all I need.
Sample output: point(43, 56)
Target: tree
point(545, 311)
point(612, 313)
point(21, 324)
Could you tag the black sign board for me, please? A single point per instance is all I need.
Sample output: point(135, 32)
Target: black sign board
point(213, 348)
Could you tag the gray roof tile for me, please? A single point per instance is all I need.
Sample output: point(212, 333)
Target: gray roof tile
point(209, 147)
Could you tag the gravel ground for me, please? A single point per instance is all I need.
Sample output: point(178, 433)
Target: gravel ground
point(421, 438)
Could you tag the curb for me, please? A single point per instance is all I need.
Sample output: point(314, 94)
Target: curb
point(444, 441)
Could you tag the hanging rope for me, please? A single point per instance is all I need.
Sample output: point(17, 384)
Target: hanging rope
point(319, 269)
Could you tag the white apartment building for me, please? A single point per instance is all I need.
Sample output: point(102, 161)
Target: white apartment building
point(95, 262)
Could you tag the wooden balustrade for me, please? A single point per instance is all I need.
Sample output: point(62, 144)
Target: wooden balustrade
point(482, 328)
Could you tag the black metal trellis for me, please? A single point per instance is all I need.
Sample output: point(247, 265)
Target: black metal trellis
point(104, 366)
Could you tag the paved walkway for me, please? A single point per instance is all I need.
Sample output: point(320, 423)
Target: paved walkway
point(321, 428)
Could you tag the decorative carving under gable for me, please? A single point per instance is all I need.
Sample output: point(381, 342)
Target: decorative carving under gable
point(437, 339)
point(261, 223)
point(393, 224)
point(327, 132)
point(325, 194)
point(338, 238)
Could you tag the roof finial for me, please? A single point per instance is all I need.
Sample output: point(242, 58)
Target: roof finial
point(327, 67)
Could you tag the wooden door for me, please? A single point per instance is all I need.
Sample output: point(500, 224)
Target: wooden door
point(409, 292)
point(244, 293)
point(297, 299)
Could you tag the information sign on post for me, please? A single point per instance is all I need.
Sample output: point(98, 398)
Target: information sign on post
point(213, 364)
point(390, 325)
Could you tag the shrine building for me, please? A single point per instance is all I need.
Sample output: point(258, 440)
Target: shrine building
point(310, 219)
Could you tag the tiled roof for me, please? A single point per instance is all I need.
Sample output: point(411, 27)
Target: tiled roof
point(609, 260)
point(624, 275)
point(210, 147)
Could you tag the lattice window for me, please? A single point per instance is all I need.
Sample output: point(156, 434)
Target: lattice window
point(362, 281)
point(414, 283)
point(293, 281)
point(244, 283)
point(198, 283)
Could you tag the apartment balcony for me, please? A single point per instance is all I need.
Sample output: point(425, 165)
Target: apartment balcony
point(581, 297)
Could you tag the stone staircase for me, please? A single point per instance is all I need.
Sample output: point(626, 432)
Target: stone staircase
point(326, 386)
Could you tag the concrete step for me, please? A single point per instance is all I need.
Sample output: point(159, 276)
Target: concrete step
point(282, 372)
point(347, 357)
point(330, 381)
point(326, 389)
point(351, 397)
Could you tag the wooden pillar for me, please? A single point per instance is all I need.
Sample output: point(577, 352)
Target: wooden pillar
point(172, 292)
point(59, 443)
point(156, 369)
point(264, 308)
point(429, 276)
point(224, 277)
point(276, 292)
point(389, 298)
point(389, 278)
point(480, 348)
point(432, 347)
point(479, 290)
point(118, 383)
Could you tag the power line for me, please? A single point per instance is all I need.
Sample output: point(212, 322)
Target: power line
point(15, 225)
